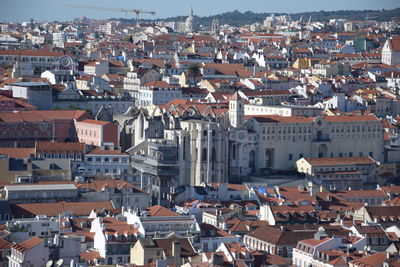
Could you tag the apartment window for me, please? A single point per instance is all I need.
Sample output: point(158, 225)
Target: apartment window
point(98, 159)
point(290, 157)
point(371, 154)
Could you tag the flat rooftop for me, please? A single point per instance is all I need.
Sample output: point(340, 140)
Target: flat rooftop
point(40, 187)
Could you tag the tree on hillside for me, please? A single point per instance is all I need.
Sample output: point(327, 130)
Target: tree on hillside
point(194, 71)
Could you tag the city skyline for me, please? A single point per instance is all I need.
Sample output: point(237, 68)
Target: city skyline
point(20, 10)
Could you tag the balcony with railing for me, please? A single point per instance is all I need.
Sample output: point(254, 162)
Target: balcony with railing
point(319, 137)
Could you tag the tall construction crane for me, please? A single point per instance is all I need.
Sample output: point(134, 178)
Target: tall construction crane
point(125, 10)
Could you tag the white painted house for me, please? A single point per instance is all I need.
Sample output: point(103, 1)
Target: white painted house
point(391, 52)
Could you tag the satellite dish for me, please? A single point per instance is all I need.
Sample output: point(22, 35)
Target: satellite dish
point(59, 262)
point(49, 263)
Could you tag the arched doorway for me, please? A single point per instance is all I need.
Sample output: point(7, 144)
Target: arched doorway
point(322, 151)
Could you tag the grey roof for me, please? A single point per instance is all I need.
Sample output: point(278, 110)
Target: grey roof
point(148, 242)
point(40, 187)
point(30, 84)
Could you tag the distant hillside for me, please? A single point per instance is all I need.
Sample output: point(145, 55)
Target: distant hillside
point(237, 18)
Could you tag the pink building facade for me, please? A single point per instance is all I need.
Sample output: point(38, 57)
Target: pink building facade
point(97, 133)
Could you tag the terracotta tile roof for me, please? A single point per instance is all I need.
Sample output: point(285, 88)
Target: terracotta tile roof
point(94, 122)
point(60, 147)
point(293, 194)
point(114, 228)
point(4, 244)
point(352, 118)
point(261, 259)
point(395, 44)
point(346, 194)
point(160, 211)
point(340, 161)
point(374, 260)
point(315, 242)
point(246, 226)
point(90, 256)
point(391, 189)
point(200, 204)
point(384, 211)
point(37, 53)
point(280, 119)
point(28, 244)
point(187, 249)
point(243, 203)
point(276, 236)
point(99, 185)
point(208, 230)
point(339, 261)
point(56, 208)
point(18, 153)
point(233, 187)
point(159, 84)
point(393, 202)
point(99, 151)
point(19, 102)
point(42, 115)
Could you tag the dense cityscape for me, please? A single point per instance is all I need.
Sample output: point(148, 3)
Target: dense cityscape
point(193, 142)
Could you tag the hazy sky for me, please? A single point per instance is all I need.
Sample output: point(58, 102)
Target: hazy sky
point(23, 10)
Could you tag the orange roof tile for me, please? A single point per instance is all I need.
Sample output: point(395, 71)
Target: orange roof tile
point(17, 153)
point(160, 211)
point(340, 161)
point(56, 208)
point(95, 122)
point(60, 147)
point(28, 244)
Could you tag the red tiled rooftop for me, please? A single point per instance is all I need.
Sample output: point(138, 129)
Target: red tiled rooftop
point(42, 115)
point(66, 147)
point(340, 161)
point(95, 122)
point(28, 244)
point(160, 211)
point(17, 152)
point(99, 151)
point(56, 208)
point(37, 53)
